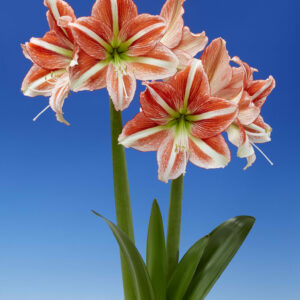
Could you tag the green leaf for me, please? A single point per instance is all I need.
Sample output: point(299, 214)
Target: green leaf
point(223, 244)
point(156, 253)
point(185, 270)
point(140, 277)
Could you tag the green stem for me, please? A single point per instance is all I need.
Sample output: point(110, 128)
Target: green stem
point(174, 224)
point(122, 196)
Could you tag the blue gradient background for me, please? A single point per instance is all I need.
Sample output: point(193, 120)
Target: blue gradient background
point(52, 247)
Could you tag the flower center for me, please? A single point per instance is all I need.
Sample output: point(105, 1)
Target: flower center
point(181, 126)
point(118, 55)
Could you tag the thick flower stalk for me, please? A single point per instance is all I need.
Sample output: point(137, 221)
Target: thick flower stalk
point(178, 37)
point(119, 47)
point(53, 56)
point(182, 122)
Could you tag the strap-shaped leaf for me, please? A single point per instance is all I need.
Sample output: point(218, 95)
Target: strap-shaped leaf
point(140, 277)
point(224, 242)
point(156, 253)
point(185, 270)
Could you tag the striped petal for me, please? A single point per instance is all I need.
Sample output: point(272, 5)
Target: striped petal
point(49, 52)
point(114, 13)
point(213, 117)
point(259, 131)
point(192, 86)
point(209, 153)
point(192, 43)
point(92, 36)
point(58, 9)
point(234, 90)
point(172, 12)
point(248, 71)
point(260, 89)
point(171, 161)
point(59, 94)
point(89, 74)
point(142, 133)
point(248, 112)
point(238, 137)
point(121, 87)
point(216, 60)
point(158, 101)
point(159, 63)
point(40, 82)
point(142, 33)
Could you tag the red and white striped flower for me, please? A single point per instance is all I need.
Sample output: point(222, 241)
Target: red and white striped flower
point(119, 47)
point(181, 121)
point(236, 84)
point(178, 37)
point(249, 127)
point(52, 56)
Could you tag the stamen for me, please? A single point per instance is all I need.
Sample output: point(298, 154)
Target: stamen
point(38, 115)
point(263, 154)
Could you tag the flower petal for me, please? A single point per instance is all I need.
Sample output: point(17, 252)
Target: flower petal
point(192, 86)
point(159, 63)
point(92, 36)
point(259, 131)
point(142, 133)
point(121, 87)
point(40, 82)
point(172, 12)
point(209, 153)
point(192, 43)
point(58, 9)
point(238, 137)
point(89, 74)
point(142, 33)
point(171, 162)
point(260, 89)
point(213, 117)
point(216, 60)
point(49, 52)
point(158, 101)
point(114, 13)
point(59, 94)
point(234, 90)
point(248, 112)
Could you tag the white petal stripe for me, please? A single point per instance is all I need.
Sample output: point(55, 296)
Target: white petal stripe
point(35, 84)
point(115, 16)
point(55, 12)
point(59, 50)
point(92, 35)
point(255, 127)
point(260, 91)
point(190, 80)
point(127, 141)
point(76, 84)
point(165, 176)
point(220, 160)
point(152, 61)
point(143, 32)
point(212, 114)
point(159, 100)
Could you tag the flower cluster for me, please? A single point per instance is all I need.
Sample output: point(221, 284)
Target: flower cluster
point(181, 117)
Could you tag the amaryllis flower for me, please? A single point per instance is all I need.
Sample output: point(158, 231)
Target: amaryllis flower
point(178, 37)
point(181, 121)
point(249, 128)
point(120, 46)
point(237, 85)
point(52, 56)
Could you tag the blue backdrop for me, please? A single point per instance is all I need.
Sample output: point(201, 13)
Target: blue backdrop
point(52, 247)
